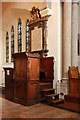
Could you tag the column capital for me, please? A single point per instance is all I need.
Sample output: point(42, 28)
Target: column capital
point(75, 2)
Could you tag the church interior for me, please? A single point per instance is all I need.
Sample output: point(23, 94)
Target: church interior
point(40, 59)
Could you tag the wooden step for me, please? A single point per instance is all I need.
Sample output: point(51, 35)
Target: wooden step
point(41, 83)
point(56, 101)
point(45, 85)
point(46, 90)
point(52, 95)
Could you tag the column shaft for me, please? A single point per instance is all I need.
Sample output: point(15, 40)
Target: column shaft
point(74, 39)
point(66, 44)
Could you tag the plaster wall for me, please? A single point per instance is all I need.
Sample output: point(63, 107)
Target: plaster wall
point(54, 40)
point(10, 17)
point(10, 14)
point(1, 46)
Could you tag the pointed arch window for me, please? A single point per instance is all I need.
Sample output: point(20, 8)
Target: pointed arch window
point(12, 41)
point(27, 36)
point(7, 47)
point(19, 35)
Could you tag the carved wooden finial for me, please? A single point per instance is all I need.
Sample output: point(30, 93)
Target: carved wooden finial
point(35, 13)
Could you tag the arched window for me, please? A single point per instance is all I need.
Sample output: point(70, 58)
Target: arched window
point(12, 42)
point(19, 35)
point(7, 47)
point(27, 36)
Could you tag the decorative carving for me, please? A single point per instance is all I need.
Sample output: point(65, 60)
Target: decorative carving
point(39, 24)
point(35, 13)
point(73, 72)
point(37, 27)
point(45, 35)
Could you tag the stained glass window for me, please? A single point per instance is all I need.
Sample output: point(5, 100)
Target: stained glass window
point(27, 36)
point(12, 42)
point(19, 35)
point(7, 47)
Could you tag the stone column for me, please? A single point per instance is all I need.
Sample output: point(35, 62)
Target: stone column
point(59, 50)
point(74, 39)
point(66, 38)
point(1, 44)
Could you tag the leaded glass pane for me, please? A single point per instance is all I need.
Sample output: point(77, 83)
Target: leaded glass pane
point(27, 36)
point(7, 47)
point(19, 35)
point(12, 42)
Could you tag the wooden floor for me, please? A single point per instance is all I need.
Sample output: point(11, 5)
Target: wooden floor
point(14, 110)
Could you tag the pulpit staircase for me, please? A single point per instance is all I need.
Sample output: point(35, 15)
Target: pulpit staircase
point(49, 95)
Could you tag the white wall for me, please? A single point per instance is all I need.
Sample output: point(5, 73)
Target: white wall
point(54, 40)
point(11, 15)
point(11, 12)
point(1, 45)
